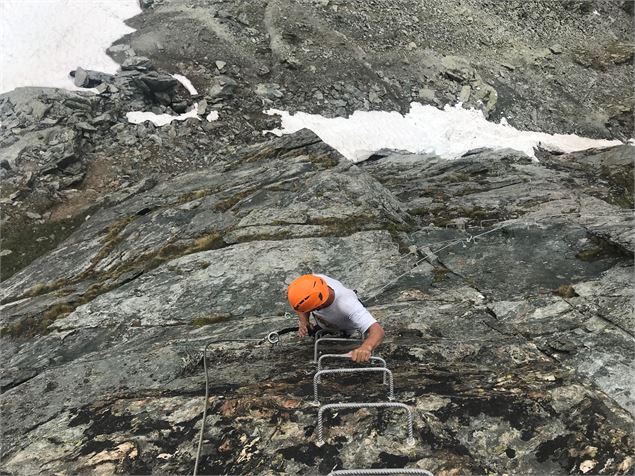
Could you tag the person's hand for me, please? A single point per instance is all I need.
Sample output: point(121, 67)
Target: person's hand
point(303, 330)
point(361, 354)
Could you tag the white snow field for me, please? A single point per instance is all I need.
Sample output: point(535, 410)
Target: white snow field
point(138, 117)
point(447, 133)
point(41, 41)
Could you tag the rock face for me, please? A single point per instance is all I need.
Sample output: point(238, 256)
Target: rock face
point(504, 283)
point(511, 338)
point(61, 151)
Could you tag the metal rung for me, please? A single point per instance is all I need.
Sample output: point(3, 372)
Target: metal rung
point(329, 339)
point(410, 441)
point(347, 356)
point(377, 471)
point(316, 378)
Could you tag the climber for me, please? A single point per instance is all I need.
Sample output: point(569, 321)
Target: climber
point(334, 307)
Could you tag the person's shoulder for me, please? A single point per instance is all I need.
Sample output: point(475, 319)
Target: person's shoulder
point(334, 283)
point(349, 297)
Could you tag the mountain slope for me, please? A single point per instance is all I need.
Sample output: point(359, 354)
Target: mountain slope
point(513, 347)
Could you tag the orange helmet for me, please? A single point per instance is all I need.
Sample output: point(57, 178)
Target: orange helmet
point(307, 293)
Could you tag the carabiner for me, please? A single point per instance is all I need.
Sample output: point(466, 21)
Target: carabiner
point(273, 338)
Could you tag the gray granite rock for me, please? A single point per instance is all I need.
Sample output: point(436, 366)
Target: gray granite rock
point(222, 87)
point(138, 63)
point(81, 78)
point(503, 285)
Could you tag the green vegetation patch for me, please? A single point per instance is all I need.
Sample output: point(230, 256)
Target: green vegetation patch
point(206, 320)
point(324, 161)
point(194, 195)
point(566, 291)
point(439, 274)
point(29, 241)
point(229, 202)
point(590, 254)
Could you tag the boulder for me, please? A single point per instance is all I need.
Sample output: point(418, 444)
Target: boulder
point(137, 63)
point(85, 126)
point(90, 79)
point(80, 78)
point(39, 109)
point(201, 109)
point(223, 87)
point(269, 91)
point(179, 107)
point(159, 82)
point(556, 49)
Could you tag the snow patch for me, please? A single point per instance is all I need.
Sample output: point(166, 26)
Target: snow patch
point(186, 82)
point(138, 117)
point(41, 41)
point(448, 133)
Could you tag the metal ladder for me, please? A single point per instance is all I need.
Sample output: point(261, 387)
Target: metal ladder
point(410, 441)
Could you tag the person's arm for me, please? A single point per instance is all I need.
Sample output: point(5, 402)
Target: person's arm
point(303, 325)
point(364, 351)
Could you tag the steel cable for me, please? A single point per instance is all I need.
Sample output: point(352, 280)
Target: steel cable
point(272, 337)
point(469, 239)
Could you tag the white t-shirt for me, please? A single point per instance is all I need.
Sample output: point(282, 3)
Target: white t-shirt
point(345, 313)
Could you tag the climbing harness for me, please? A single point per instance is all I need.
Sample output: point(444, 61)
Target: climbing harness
point(322, 332)
point(384, 370)
point(410, 441)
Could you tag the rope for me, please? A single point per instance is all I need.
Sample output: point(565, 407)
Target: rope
point(272, 337)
